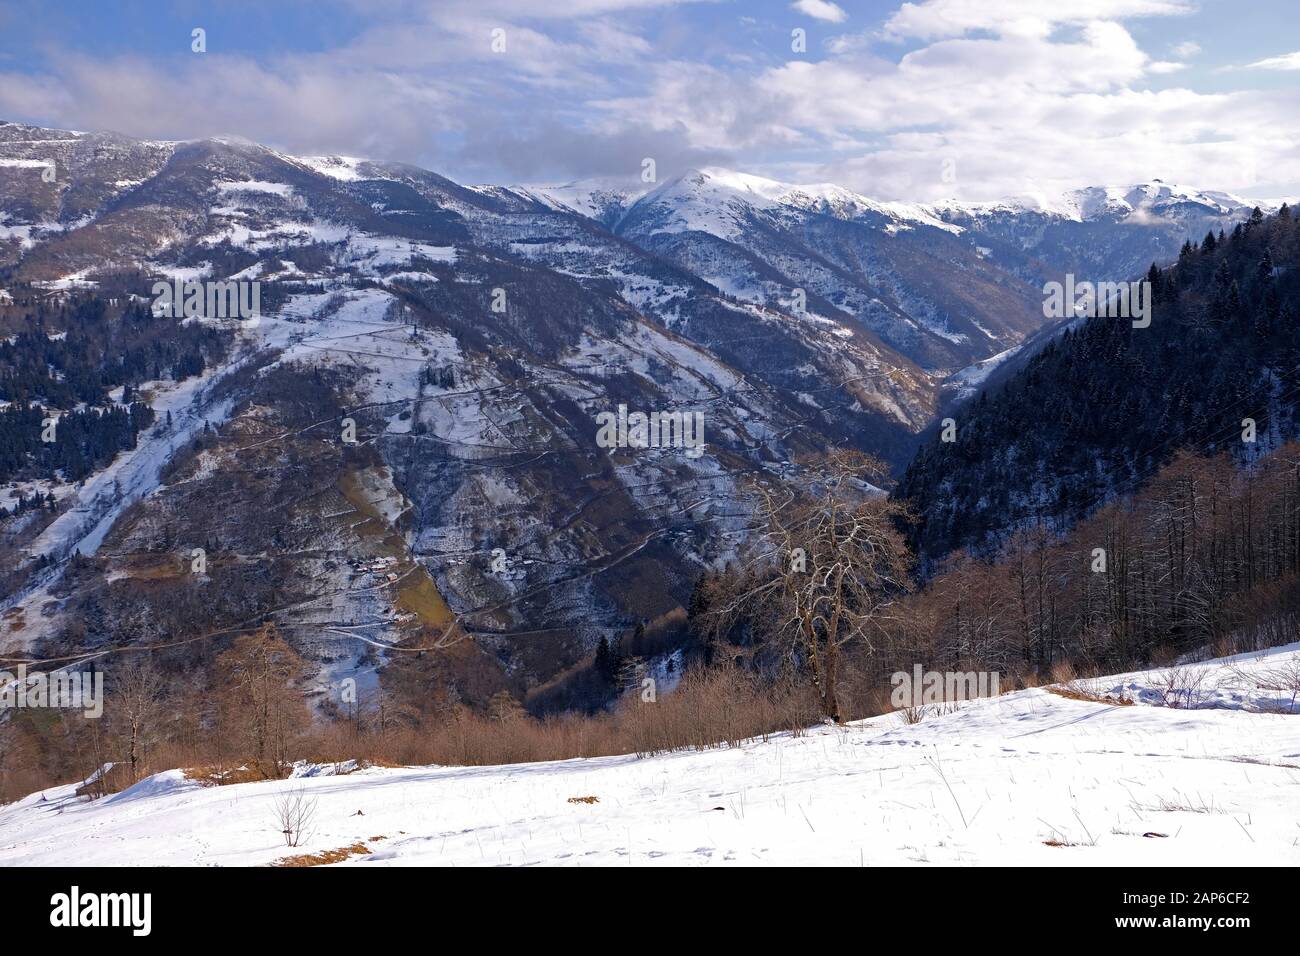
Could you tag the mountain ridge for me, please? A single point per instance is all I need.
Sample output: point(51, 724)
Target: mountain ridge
point(472, 334)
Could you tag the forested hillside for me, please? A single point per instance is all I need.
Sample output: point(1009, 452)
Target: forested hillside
point(61, 362)
point(1100, 409)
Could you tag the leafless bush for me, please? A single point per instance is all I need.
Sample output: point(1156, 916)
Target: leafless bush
point(1282, 678)
point(1063, 673)
point(1094, 691)
point(913, 715)
point(708, 708)
point(1184, 686)
point(294, 813)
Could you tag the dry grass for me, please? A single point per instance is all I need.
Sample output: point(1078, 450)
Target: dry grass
point(707, 709)
point(418, 595)
point(1077, 691)
point(912, 715)
point(1180, 803)
point(587, 800)
point(326, 857)
point(415, 591)
point(1063, 673)
point(165, 570)
point(213, 776)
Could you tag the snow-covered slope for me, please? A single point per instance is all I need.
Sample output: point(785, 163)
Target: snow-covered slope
point(798, 317)
point(893, 270)
point(1107, 232)
point(604, 199)
point(1202, 769)
point(720, 201)
point(384, 277)
point(1098, 202)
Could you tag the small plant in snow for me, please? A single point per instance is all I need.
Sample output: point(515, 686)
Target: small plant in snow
point(913, 715)
point(1284, 679)
point(294, 812)
point(1183, 687)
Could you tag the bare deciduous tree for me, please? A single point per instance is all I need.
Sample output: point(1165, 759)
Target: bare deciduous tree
point(830, 565)
point(259, 700)
point(137, 711)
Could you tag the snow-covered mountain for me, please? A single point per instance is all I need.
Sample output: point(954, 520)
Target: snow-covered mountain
point(892, 270)
point(719, 201)
point(1143, 201)
point(1185, 766)
point(605, 200)
point(478, 423)
point(1096, 232)
point(474, 334)
point(942, 283)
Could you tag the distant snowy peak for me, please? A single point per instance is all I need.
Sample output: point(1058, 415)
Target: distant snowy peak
point(717, 202)
point(604, 199)
point(826, 198)
point(22, 133)
point(1156, 196)
point(721, 201)
point(1141, 201)
point(343, 168)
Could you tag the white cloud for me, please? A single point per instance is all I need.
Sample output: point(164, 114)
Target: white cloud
point(1023, 96)
point(820, 10)
point(1019, 111)
point(1287, 61)
point(402, 89)
point(612, 42)
point(1186, 48)
point(935, 19)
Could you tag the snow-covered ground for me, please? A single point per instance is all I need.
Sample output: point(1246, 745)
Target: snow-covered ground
point(135, 473)
point(967, 381)
point(1027, 778)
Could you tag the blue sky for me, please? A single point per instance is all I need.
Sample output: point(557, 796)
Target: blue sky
point(970, 98)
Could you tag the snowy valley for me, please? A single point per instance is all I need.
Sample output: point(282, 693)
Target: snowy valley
point(1196, 764)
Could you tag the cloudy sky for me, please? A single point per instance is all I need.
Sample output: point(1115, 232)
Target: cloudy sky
point(975, 99)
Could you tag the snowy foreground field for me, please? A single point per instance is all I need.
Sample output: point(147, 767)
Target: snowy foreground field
point(1027, 778)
